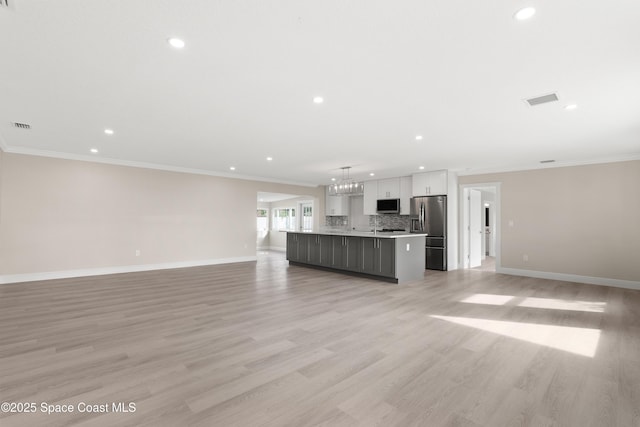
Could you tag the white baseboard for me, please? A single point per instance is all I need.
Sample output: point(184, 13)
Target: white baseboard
point(617, 283)
point(272, 248)
point(30, 277)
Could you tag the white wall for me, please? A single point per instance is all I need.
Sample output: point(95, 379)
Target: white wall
point(1, 180)
point(74, 217)
point(577, 223)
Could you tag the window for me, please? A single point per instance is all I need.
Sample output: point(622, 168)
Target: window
point(284, 219)
point(263, 220)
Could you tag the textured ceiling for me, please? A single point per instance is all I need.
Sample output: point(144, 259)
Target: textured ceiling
point(455, 72)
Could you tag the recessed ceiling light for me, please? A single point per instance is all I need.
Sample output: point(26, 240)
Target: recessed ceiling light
point(94, 150)
point(421, 167)
point(571, 107)
point(269, 159)
point(176, 42)
point(318, 100)
point(372, 174)
point(108, 131)
point(418, 137)
point(524, 14)
point(333, 179)
point(232, 168)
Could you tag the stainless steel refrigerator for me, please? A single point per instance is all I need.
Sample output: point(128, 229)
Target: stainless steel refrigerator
point(429, 215)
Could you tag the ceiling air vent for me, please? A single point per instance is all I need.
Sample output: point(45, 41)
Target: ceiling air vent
point(552, 97)
point(21, 125)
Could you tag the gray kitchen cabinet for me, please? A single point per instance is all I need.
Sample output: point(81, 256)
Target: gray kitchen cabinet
point(303, 247)
point(368, 249)
point(391, 258)
point(313, 249)
point(319, 251)
point(345, 252)
point(326, 250)
point(298, 246)
point(292, 246)
point(337, 245)
point(350, 256)
point(386, 257)
point(378, 256)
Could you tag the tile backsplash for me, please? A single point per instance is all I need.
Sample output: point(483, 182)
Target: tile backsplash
point(377, 221)
point(336, 221)
point(390, 221)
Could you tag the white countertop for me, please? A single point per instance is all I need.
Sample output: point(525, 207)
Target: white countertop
point(380, 234)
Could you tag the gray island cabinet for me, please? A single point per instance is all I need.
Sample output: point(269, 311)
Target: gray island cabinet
point(393, 257)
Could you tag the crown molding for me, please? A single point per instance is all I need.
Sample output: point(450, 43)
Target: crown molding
point(559, 164)
point(145, 165)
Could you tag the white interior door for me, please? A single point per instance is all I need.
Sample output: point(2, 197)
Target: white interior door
point(475, 228)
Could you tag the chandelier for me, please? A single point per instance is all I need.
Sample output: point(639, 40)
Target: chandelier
point(346, 186)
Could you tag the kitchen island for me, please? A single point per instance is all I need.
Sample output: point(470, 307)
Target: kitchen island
point(390, 256)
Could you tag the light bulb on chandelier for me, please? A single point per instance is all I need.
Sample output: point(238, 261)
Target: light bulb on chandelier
point(346, 186)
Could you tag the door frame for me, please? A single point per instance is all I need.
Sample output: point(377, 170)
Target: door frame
point(473, 204)
point(463, 230)
point(299, 217)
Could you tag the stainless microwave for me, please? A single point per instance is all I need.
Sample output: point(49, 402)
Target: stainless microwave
point(388, 206)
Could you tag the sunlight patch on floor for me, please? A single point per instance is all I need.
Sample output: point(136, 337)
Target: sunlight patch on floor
point(581, 341)
point(489, 299)
point(532, 302)
point(558, 304)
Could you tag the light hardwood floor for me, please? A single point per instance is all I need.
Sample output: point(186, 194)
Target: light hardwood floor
point(265, 344)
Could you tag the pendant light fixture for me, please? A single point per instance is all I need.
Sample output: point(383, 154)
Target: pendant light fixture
point(346, 186)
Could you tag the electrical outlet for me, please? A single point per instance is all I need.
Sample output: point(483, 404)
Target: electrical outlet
point(525, 258)
point(510, 223)
point(137, 252)
point(408, 247)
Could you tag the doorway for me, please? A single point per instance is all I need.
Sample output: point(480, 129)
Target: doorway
point(278, 213)
point(480, 226)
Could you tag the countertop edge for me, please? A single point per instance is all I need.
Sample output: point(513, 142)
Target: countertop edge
point(380, 234)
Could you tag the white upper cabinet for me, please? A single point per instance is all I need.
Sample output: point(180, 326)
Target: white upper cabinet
point(405, 195)
point(336, 205)
point(430, 183)
point(370, 197)
point(389, 188)
point(392, 188)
